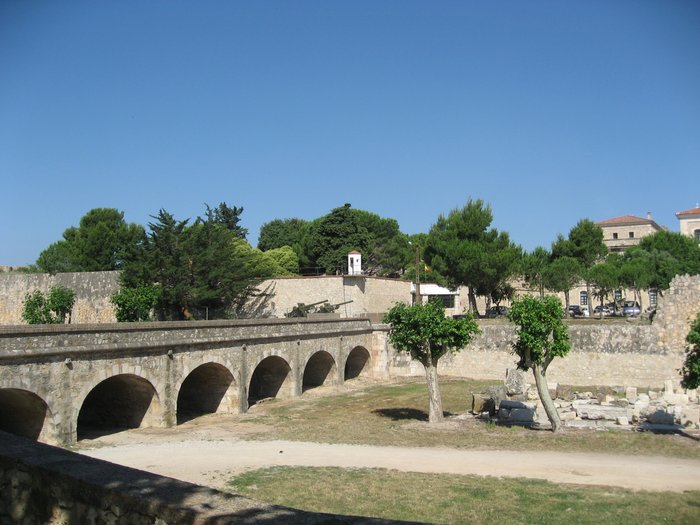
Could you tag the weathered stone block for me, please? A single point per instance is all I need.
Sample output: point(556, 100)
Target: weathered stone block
point(567, 415)
point(516, 381)
point(690, 416)
point(600, 412)
point(482, 403)
point(668, 386)
point(565, 392)
point(622, 421)
point(631, 394)
point(676, 399)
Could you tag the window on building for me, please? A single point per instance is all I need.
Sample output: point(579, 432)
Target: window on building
point(631, 235)
point(696, 234)
point(614, 235)
point(652, 297)
point(448, 301)
point(618, 296)
point(583, 298)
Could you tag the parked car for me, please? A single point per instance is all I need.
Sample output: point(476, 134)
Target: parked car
point(607, 310)
point(631, 308)
point(497, 311)
point(575, 311)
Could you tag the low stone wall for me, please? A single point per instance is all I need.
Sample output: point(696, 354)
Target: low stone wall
point(615, 353)
point(92, 293)
point(41, 484)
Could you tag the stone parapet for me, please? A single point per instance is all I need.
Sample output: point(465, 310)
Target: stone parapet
point(44, 484)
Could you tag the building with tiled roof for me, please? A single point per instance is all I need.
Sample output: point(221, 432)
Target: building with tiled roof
point(689, 222)
point(619, 233)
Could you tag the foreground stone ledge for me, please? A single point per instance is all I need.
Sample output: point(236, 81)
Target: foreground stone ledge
point(43, 484)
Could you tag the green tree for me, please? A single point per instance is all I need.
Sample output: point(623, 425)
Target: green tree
point(533, 267)
point(135, 304)
point(281, 232)
point(336, 235)
point(562, 275)
point(670, 254)
point(636, 272)
point(426, 334)
point(541, 336)
point(462, 248)
point(52, 309)
point(35, 309)
point(102, 241)
point(605, 278)
point(202, 270)
point(228, 217)
point(691, 366)
point(585, 244)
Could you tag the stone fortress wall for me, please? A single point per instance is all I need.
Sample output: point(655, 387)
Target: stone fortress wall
point(624, 353)
point(92, 293)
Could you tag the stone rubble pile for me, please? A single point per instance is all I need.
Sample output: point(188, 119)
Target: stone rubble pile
point(516, 402)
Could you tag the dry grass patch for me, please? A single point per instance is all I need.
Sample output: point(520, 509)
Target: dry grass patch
point(439, 498)
point(396, 415)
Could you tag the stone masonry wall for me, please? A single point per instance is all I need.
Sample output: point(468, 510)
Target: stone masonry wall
point(41, 484)
point(92, 292)
point(676, 310)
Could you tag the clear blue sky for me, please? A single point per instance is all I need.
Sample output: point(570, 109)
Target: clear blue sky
point(549, 111)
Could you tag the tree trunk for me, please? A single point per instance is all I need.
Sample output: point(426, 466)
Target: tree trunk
point(566, 300)
point(472, 302)
point(435, 401)
point(590, 300)
point(547, 403)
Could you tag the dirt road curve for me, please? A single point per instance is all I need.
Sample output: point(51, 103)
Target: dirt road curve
point(212, 463)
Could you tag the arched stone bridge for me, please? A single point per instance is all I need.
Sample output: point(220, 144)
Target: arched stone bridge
point(62, 383)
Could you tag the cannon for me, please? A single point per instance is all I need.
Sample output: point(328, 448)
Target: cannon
point(330, 308)
point(303, 309)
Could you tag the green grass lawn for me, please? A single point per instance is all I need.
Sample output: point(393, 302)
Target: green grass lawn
point(396, 414)
point(440, 498)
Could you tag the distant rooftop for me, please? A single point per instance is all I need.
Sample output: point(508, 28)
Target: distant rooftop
point(628, 220)
point(693, 211)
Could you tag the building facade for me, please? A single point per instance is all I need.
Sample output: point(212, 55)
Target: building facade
point(689, 222)
point(621, 233)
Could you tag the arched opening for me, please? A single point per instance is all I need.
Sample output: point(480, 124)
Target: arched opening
point(206, 390)
point(118, 403)
point(318, 369)
point(22, 412)
point(357, 363)
point(269, 377)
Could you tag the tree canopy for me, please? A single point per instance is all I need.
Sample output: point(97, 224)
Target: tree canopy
point(691, 366)
point(463, 249)
point(53, 308)
point(426, 334)
point(541, 336)
point(203, 269)
point(102, 241)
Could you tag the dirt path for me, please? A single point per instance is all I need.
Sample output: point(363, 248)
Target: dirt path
point(213, 462)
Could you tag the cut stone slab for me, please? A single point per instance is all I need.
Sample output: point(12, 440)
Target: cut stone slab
point(610, 413)
point(676, 399)
point(516, 382)
point(690, 416)
point(631, 394)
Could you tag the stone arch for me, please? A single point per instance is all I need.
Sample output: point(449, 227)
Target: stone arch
point(319, 368)
point(357, 363)
point(209, 388)
point(117, 403)
point(23, 413)
point(271, 378)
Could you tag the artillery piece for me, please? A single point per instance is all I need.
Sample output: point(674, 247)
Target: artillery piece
point(330, 308)
point(302, 309)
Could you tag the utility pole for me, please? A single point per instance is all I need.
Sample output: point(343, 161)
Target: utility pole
point(418, 297)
